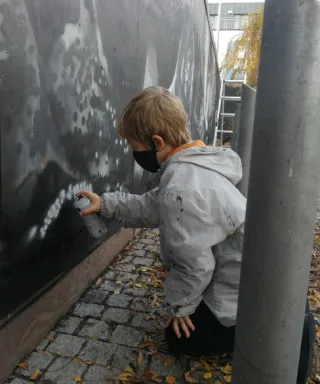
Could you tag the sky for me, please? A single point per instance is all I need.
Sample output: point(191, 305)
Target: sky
point(236, 1)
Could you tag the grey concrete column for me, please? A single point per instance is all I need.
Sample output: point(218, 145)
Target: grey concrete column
point(282, 196)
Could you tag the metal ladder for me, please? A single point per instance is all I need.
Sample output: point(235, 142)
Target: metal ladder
point(221, 114)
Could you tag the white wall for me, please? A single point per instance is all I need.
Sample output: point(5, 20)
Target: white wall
point(224, 39)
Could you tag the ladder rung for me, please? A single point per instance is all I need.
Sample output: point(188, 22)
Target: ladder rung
point(231, 98)
point(222, 131)
point(223, 114)
point(234, 81)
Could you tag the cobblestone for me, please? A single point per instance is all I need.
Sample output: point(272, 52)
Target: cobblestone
point(20, 381)
point(111, 286)
point(110, 275)
point(124, 267)
point(147, 241)
point(141, 320)
point(66, 345)
point(125, 277)
point(97, 329)
point(92, 310)
point(97, 374)
point(98, 351)
point(142, 261)
point(155, 249)
point(125, 357)
point(105, 327)
point(117, 315)
point(121, 301)
point(64, 371)
point(138, 246)
point(139, 254)
point(95, 296)
point(127, 336)
point(140, 304)
point(36, 361)
point(140, 292)
point(165, 365)
point(69, 325)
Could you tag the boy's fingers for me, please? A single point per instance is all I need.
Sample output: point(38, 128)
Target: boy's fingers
point(87, 211)
point(176, 328)
point(88, 194)
point(184, 327)
point(189, 323)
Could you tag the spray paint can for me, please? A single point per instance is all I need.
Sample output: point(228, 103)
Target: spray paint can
point(94, 223)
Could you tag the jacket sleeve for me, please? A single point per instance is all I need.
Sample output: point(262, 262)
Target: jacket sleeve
point(132, 211)
point(189, 232)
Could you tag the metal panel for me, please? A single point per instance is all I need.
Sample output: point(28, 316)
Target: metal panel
point(235, 129)
point(67, 69)
point(245, 134)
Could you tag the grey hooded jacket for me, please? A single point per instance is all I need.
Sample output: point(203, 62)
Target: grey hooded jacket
point(200, 214)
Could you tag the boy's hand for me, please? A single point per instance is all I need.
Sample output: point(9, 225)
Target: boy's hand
point(181, 323)
point(95, 203)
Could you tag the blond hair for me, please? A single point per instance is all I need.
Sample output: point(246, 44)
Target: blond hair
point(155, 111)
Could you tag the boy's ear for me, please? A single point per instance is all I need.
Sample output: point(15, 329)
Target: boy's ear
point(158, 142)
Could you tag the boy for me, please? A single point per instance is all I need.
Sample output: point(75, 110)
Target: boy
point(200, 214)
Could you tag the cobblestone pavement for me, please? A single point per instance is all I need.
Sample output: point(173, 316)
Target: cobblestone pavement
point(114, 334)
point(113, 330)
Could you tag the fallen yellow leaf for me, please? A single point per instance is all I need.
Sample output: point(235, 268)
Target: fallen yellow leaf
point(77, 360)
point(124, 375)
point(116, 292)
point(23, 365)
point(78, 379)
point(140, 358)
point(227, 379)
point(189, 378)
point(95, 338)
point(170, 379)
point(90, 362)
point(138, 285)
point(217, 382)
point(118, 282)
point(35, 374)
point(205, 365)
point(151, 374)
point(207, 375)
point(227, 369)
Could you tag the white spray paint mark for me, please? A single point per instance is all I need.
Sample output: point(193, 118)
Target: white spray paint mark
point(151, 74)
point(290, 172)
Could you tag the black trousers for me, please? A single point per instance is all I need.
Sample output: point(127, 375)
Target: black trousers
point(211, 337)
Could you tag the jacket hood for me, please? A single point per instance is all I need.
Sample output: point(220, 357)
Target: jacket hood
point(223, 161)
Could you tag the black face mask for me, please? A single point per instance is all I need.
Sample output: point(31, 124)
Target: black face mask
point(147, 160)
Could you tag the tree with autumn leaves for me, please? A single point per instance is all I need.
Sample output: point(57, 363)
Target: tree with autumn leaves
point(244, 54)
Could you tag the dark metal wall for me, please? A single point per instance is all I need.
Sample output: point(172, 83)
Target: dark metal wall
point(67, 68)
